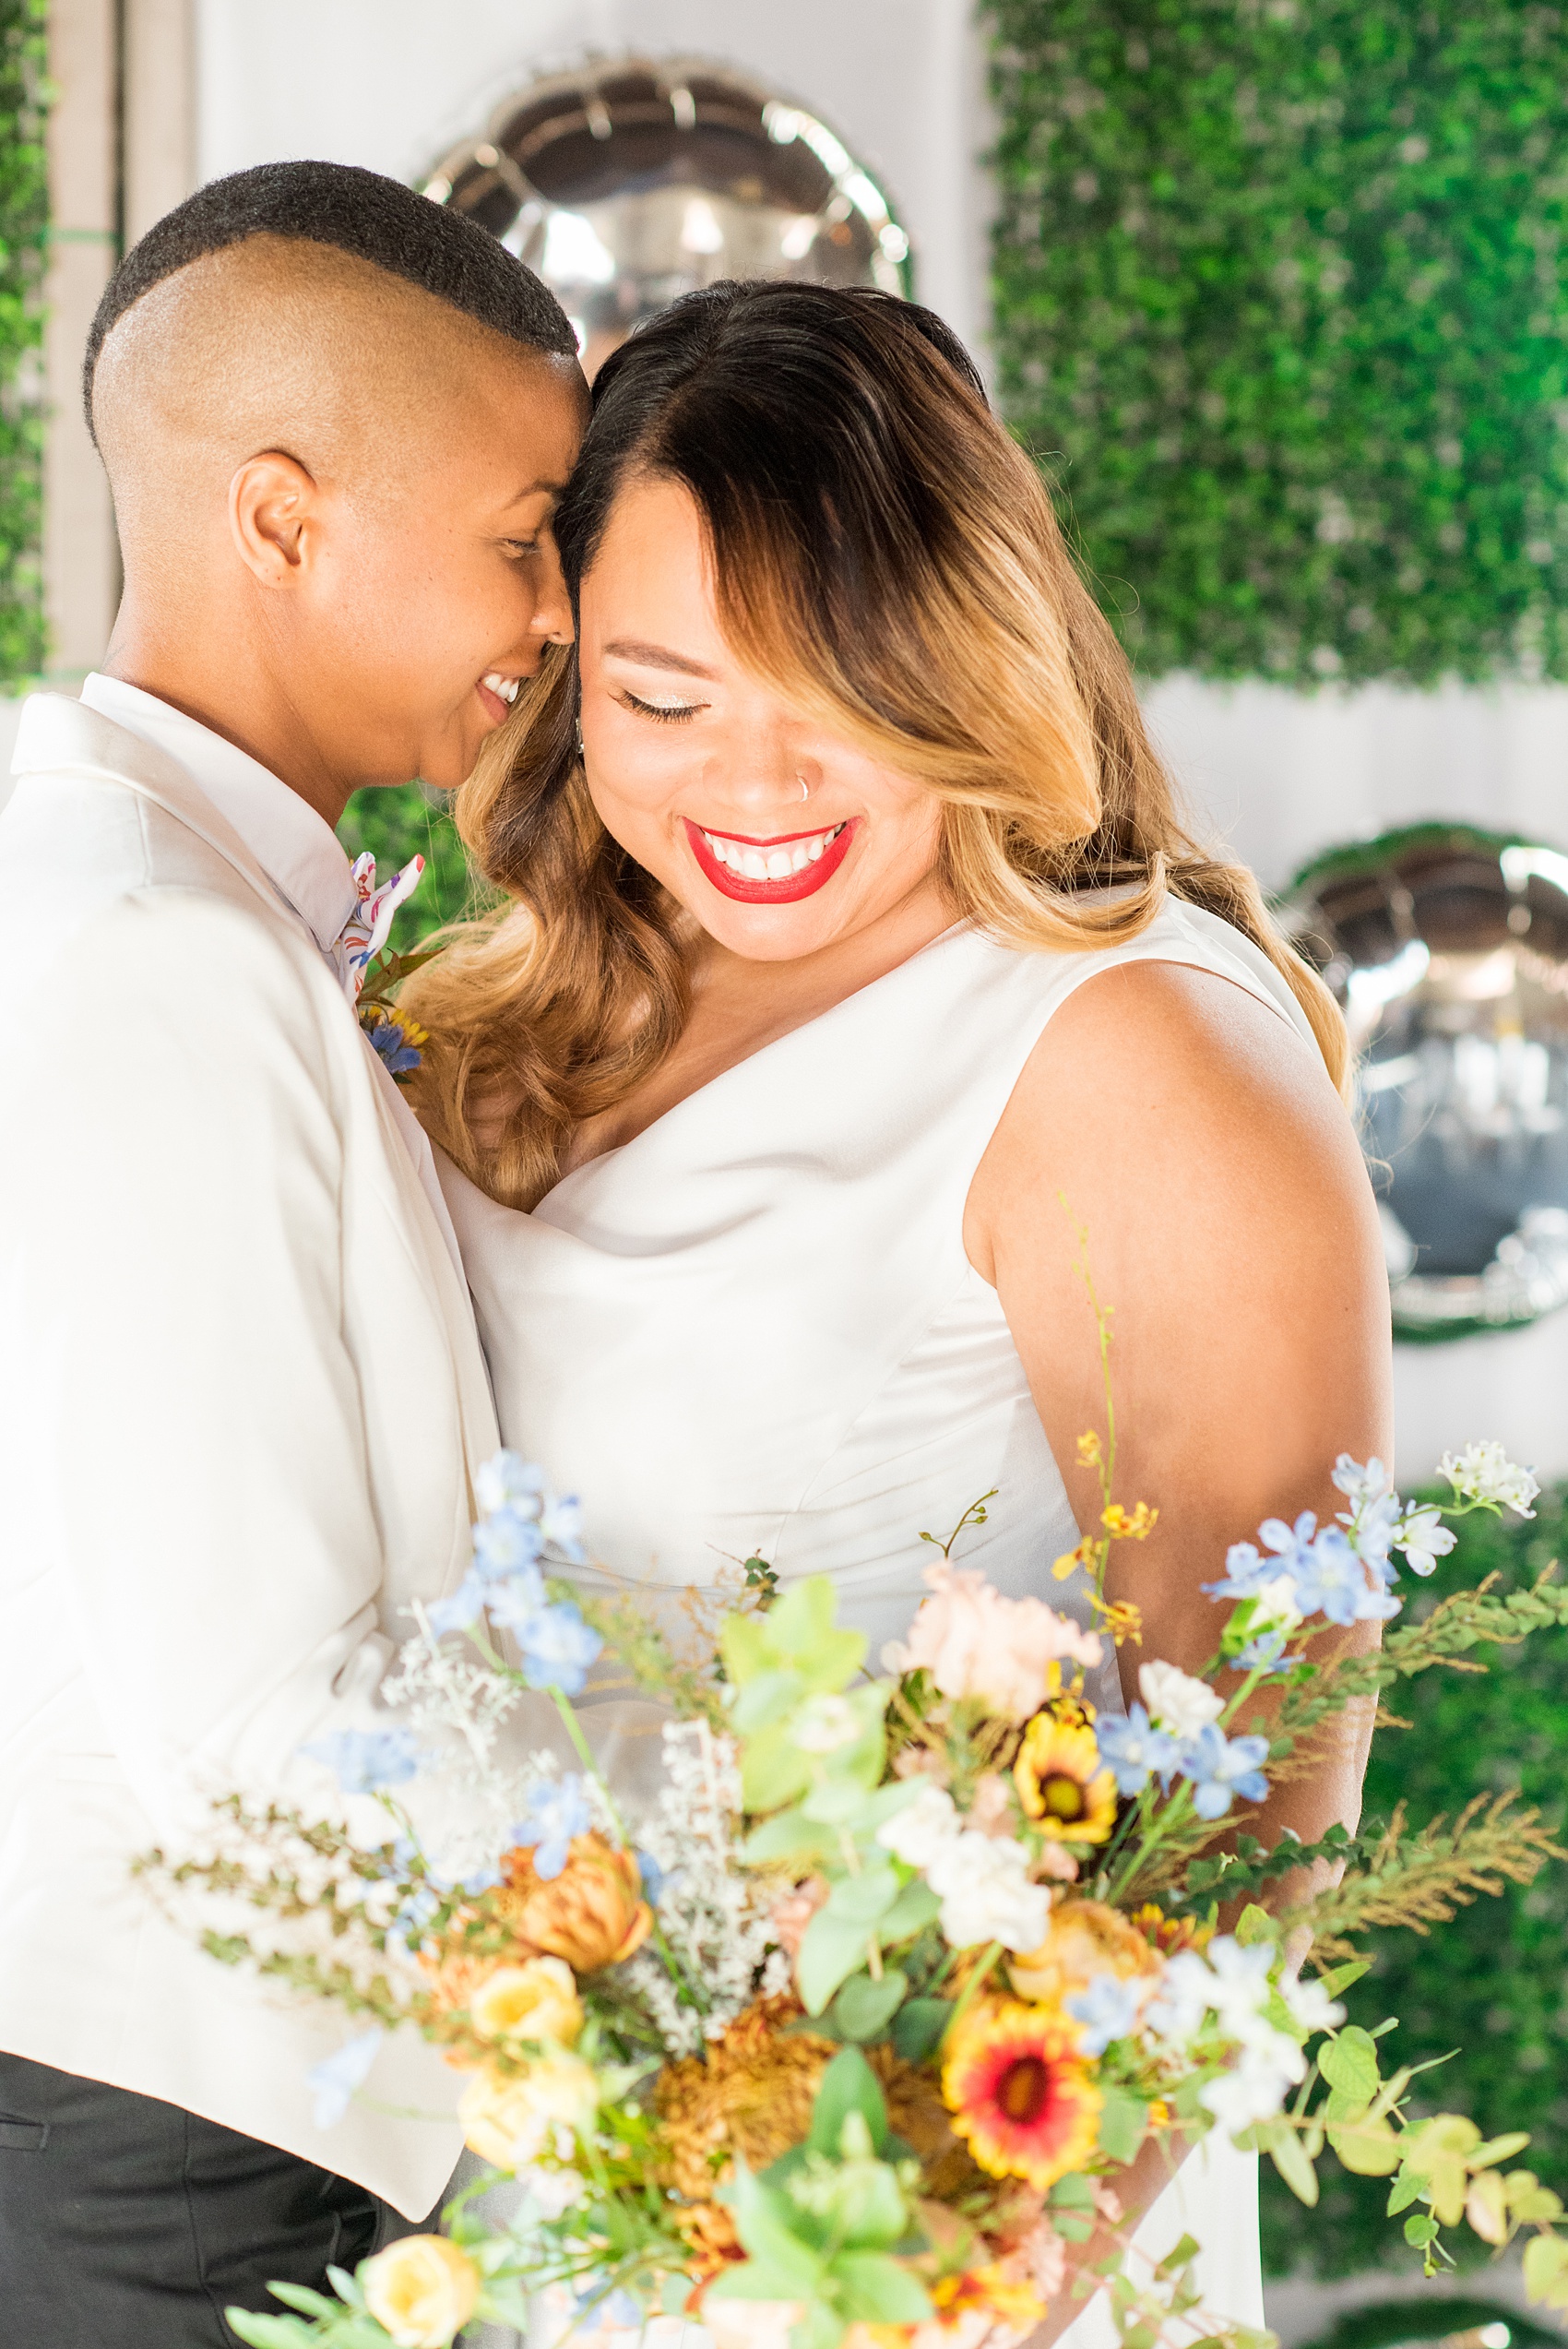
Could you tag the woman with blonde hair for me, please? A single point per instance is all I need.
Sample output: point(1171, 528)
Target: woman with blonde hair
point(855, 963)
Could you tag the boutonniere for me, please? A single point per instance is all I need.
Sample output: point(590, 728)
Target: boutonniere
point(395, 1037)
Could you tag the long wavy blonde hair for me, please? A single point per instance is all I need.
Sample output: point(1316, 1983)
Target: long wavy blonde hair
point(885, 556)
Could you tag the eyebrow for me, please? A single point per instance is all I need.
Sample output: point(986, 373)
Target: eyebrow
point(536, 489)
point(655, 656)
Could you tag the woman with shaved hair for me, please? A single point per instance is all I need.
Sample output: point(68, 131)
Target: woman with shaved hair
point(855, 962)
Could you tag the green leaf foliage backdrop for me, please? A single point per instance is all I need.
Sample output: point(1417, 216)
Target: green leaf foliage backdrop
point(406, 821)
point(1494, 1983)
point(1280, 303)
point(24, 191)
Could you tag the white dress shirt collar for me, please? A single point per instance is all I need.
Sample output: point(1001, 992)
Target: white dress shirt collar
point(297, 849)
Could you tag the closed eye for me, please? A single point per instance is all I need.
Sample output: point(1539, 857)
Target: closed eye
point(521, 545)
point(668, 713)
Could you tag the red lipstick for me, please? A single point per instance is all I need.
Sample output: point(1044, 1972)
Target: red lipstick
point(779, 888)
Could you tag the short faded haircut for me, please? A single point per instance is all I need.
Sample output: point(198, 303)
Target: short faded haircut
point(376, 220)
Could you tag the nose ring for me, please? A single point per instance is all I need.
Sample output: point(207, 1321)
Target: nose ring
point(805, 787)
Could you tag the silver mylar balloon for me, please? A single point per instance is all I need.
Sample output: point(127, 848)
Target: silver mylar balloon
point(634, 180)
point(1448, 949)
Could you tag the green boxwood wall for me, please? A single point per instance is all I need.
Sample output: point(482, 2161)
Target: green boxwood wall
point(403, 821)
point(1494, 1983)
point(23, 217)
point(1279, 301)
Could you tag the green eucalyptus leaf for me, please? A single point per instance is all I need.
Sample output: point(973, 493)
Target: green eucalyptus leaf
point(848, 2085)
point(918, 2027)
point(830, 1952)
point(863, 2009)
point(875, 2288)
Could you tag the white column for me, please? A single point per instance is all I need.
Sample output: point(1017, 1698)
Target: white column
point(158, 108)
point(81, 568)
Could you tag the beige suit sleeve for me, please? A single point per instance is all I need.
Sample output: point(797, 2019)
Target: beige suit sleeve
point(181, 1431)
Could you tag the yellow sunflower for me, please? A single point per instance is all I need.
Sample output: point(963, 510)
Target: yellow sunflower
point(1020, 2092)
point(1059, 1780)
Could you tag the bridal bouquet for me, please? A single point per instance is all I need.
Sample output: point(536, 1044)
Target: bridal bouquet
point(846, 2031)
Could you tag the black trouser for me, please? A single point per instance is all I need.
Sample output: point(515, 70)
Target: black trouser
point(129, 2224)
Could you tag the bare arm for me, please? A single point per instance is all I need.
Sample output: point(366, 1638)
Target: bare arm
point(1233, 1233)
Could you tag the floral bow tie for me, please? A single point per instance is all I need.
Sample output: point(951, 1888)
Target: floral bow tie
point(368, 927)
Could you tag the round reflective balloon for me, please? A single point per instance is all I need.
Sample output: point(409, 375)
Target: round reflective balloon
point(1447, 948)
point(629, 183)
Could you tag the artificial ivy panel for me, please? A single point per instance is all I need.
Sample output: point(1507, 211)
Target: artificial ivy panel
point(23, 217)
point(1280, 306)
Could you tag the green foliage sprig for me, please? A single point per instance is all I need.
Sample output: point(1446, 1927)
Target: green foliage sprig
point(1493, 1985)
point(24, 192)
point(1278, 296)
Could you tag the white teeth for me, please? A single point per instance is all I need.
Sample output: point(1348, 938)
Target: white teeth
point(506, 687)
point(780, 863)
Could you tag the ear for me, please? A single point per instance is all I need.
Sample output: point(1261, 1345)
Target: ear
point(274, 515)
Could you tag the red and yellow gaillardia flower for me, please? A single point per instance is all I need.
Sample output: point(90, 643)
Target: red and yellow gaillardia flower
point(1021, 2093)
point(1061, 1782)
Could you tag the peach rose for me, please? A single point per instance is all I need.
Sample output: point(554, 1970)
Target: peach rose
point(1085, 1938)
point(976, 1643)
point(592, 1914)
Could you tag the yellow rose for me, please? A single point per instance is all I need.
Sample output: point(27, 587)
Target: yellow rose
point(509, 2121)
point(422, 2291)
point(538, 2000)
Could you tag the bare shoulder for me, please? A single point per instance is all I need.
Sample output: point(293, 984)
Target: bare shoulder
point(1164, 1100)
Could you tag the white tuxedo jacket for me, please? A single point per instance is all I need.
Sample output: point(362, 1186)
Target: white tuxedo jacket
point(240, 1402)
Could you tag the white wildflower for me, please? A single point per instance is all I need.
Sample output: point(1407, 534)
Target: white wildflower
point(1177, 2014)
point(922, 1829)
point(824, 1724)
point(552, 2193)
point(1275, 1606)
point(1485, 1473)
point(1255, 2087)
point(1311, 2007)
point(983, 1883)
point(1424, 1538)
point(1176, 1701)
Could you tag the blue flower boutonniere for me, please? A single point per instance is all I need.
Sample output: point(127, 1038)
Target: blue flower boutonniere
point(395, 1037)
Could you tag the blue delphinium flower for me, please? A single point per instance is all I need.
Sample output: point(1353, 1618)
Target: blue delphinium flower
point(556, 1811)
point(1330, 1580)
point(1134, 1749)
point(1246, 1571)
point(460, 1608)
point(1108, 2010)
point(557, 1646)
point(1221, 1767)
point(1263, 1652)
point(365, 1759)
point(508, 1482)
point(652, 1876)
point(506, 1544)
point(333, 2080)
point(392, 1045)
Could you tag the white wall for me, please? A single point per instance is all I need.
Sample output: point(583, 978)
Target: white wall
point(391, 83)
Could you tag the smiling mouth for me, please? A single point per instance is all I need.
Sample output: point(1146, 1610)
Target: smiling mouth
point(495, 688)
point(772, 872)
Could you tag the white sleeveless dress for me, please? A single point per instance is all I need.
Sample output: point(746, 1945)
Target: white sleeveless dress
point(752, 1329)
